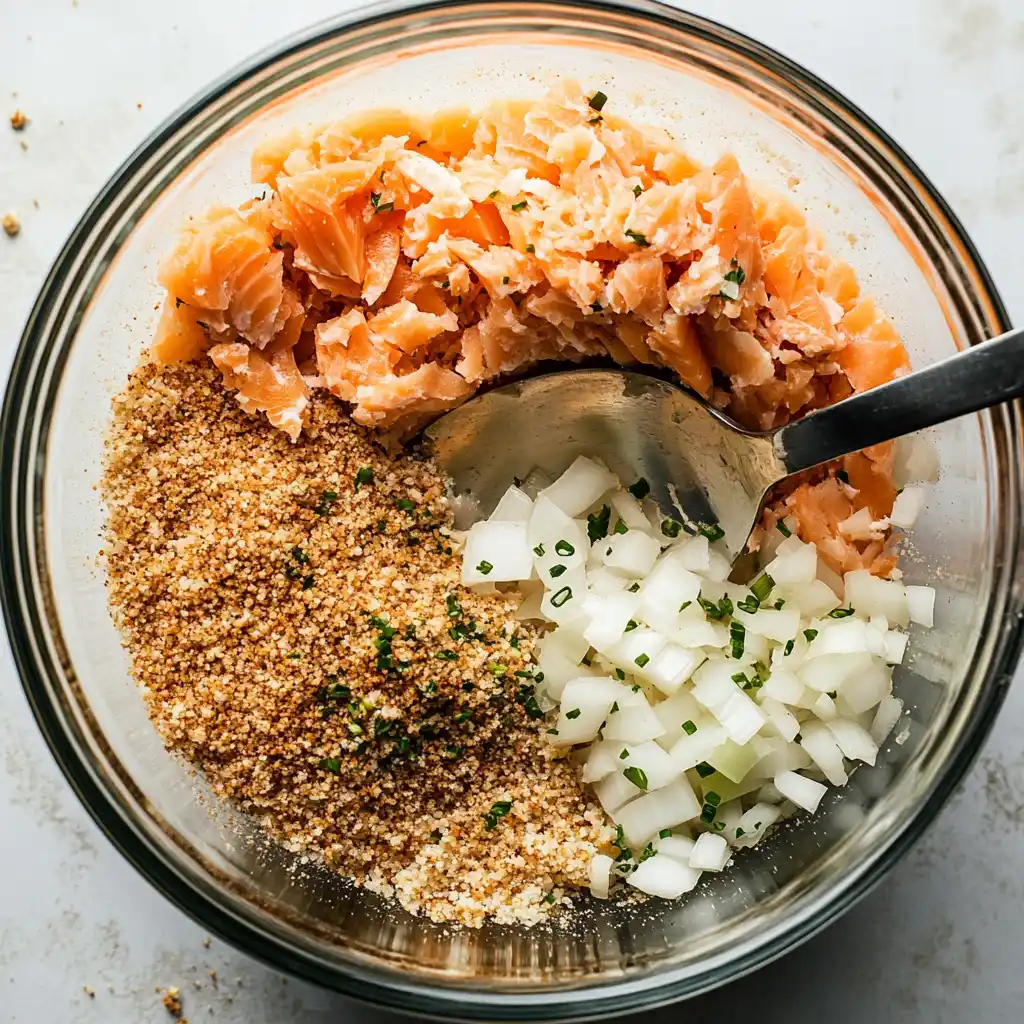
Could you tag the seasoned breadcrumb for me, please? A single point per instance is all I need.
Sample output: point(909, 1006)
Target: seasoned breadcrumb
point(19, 120)
point(11, 224)
point(294, 615)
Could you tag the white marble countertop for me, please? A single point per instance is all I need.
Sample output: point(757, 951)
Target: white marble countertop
point(938, 941)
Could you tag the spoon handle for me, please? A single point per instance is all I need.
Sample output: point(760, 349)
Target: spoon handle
point(980, 377)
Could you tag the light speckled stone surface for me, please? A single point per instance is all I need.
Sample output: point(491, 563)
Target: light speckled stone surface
point(939, 941)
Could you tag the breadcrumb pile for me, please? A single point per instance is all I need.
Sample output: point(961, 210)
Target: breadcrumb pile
point(294, 616)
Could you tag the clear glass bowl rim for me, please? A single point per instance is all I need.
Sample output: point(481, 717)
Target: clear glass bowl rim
point(23, 434)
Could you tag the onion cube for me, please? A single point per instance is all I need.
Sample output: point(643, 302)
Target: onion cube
point(869, 595)
point(732, 760)
point(672, 666)
point(810, 599)
point(642, 819)
point(579, 486)
point(689, 750)
point(630, 511)
point(600, 872)
point(844, 636)
point(585, 705)
point(631, 554)
point(831, 671)
point(894, 644)
point(710, 853)
point(804, 792)
point(613, 792)
point(664, 877)
point(783, 686)
point(679, 710)
point(907, 507)
point(886, 716)
point(863, 691)
point(694, 554)
point(921, 605)
point(601, 761)
point(820, 744)
point(515, 506)
point(676, 847)
point(496, 553)
point(564, 601)
point(780, 625)
point(635, 720)
point(794, 562)
point(637, 648)
point(755, 822)
point(555, 539)
point(854, 741)
point(658, 767)
point(610, 614)
point(782, 718)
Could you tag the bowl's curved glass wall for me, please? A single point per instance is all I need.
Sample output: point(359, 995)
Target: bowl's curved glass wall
point(717, 93)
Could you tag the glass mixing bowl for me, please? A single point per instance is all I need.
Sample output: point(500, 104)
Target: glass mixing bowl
point(717, 91)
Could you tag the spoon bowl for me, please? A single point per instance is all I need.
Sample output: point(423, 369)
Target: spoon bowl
point(702, 468)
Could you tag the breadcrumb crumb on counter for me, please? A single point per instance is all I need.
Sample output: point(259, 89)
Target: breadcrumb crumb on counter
point(11, 224)
point(294, 616)
point(19, 120)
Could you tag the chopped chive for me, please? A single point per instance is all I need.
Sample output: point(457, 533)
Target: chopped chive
point(788, 649)
point(665, 833)
point(638, 190)
point(621, 527)
point(783, 529)
point(707, 813)
point(779, 604)
point(641, 660)
point(451, 602)
point(364, 475)
point(689, 727)
point(574, 714)
point(840, 613)
point(561, 596)
point(308, 582)
point(491, 195)
point(620, 674)
point(712, 798)
point(385, 207)
point(685, 605)
point(596, 307)
point(712, 531)
point(636, 775)
point(484, 568)
point(564, 548)
point(504, 280)
point(597, 523)
point(521, 205)
point(810, 634)
point(615, 707)
point(624, 754)
point(640, 489)
point(498, 668)
point(634, 587)
point(671, 527)
point(749, 604)
point(539, 550)
point(530, 247)
point(737, 638)
point(552, 732)
point(446, 655)
point(638, 239)
point(631, 625)
point(556, 570)
point(332, 765)
point(355, 728)
point(405, 504)
point(762, 586)
point(704, 770)
point(327, 499)
point(498, 811)
point(598, 100)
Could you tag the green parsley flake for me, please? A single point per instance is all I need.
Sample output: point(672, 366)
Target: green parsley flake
point(636, 775)
point(598, 522)
point(598, 100)
point(574, 714)
point(564, 548)
point(560, 597)
point(671, 527)
point(364, 476)
point(689, 727)
point(498, 810)
point(712, 531)
point(556, 570)
point(484, 568)
point(521, 205)
point(638, 239)
point(762, 586)
point(783, 529)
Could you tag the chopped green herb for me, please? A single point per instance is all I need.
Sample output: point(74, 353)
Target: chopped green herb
point(484, 567)
point(564, 548)
point(504, 280)
point(498, 811)
point(364, 476)
point(405, 504)
point(539, 550)
point(598, 100)
point(762, 586)
point(574, 714)
point(634, 587)
point(832, 694)
point(635, 688)
point(521, 205)
point(712, 531)
point(596, 307)
point(704, 770)
point(300, 556)
point(355, 728)
point(597, 523)
point(671, 527)
point(736, 275)
point(497, 668)
point(556, 570)
point(665, 833)
point(640, 489)
point(788, 649)
point(840, 613)
point(783, 529)
point(740, 833)
point(385, 207)
point(446, 655)
point(624, 754)
point(327, 499)
point(561, 596)
point(779, 604)
point(685, 605)
point(463, 716)
point(451, 602)
point(308, 582)
point(530, 247)
point(621, 527)
point(332, 765)
point(718, 826)
point(689, 727)
point(712, 798)
point(383, 726)
point(295, 656)
point(721, 610)
point(749, 604)
point(615, 707)
point(549, 898)
point(638, 190)
point(491, 195)
point(707, 813)
point(638, 239)
point(642, 660)
point(620, 674)
point(552, 732)
point(631, 625)
point(810, 634)
point(636, 775)
point(737, 638)
point(454, 751)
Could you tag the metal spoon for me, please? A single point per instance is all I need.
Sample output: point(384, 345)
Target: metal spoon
point(701, 466)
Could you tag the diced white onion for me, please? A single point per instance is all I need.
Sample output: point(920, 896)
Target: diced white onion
point(664, 876)
point(579, 486)
point(854, 741)
point(631, 554)
point(515, 507)
point(710, 853)
point(496, 553)
point(642, 819)
point(921, 605)
point(804, 792)
point(600, 875)
point(907, 507)
point(886, 716)
point(824, 751)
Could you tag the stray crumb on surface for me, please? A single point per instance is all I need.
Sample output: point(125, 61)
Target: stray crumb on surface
point(11, 224)
point(19, 120)
point(294, 614)
point(90, 992)
point(172, 1002)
